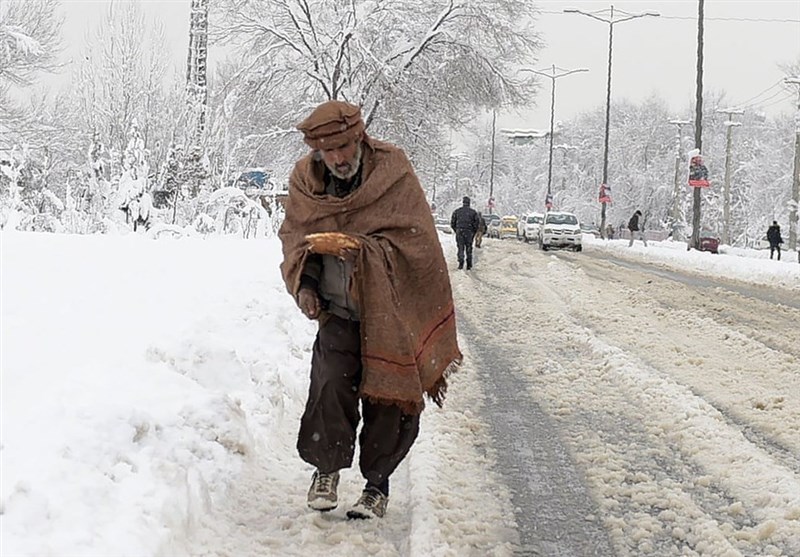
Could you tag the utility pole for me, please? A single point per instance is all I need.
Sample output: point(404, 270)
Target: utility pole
point(793, 224)
point(677, 196)
point(609, 19)
point(491, 168)
point(196, 94)
point(555, 74)
point(698, 126)
point(196, 64)
point(726, 194)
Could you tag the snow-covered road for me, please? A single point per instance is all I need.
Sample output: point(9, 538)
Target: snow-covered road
point(679, 402)
point(610, 404)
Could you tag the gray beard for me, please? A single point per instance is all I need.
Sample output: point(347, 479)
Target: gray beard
point(352, 172)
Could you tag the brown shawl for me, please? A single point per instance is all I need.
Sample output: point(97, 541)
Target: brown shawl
point(408, 328)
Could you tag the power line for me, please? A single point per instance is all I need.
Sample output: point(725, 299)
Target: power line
point(694, 18)
point(771, 87)
point(748, 19)
point(787, 97)
point(763, 102)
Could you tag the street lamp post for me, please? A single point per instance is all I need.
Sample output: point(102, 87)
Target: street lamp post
point(555, 74)
point(610, 20)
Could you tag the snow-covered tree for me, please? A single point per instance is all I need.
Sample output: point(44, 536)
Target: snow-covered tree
point(132, 195)
point(29, 44)
point(122, 77)
point(417, 67)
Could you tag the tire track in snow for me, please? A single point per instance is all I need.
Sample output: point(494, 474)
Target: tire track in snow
point(628, 518)
point(681, 309)
point(555, 516)
point(715, 511)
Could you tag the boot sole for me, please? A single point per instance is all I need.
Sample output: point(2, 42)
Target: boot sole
point(357, 515)
point(323, 509)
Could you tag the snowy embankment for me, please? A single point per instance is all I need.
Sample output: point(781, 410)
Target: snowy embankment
point(129, 369)
point(151, 394)
point(753, 266)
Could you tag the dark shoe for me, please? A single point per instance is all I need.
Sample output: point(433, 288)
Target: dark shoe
point(460, 265)
point(469, 267)
point(322, 495)
point(371, 504)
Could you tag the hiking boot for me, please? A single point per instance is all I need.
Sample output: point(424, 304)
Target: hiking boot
point(371, 504)
point(322, 494)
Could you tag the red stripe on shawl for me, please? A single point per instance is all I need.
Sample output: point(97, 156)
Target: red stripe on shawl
point(438, 327)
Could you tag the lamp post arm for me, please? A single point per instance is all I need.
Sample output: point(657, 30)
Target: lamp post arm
point(636, 16)
point(554, 75)
point(574, 11)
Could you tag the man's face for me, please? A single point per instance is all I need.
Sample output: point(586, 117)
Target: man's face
point(343, 161)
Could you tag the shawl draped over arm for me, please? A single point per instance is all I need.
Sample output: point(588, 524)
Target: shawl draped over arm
point(408, 328)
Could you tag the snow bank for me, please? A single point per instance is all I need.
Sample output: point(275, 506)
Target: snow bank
point(125, 413)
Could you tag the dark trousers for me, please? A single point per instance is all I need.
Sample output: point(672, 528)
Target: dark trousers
point(773, 248)
point(464, 243)
point(328, 426)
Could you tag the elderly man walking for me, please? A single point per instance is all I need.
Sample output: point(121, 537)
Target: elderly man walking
point(362, 257)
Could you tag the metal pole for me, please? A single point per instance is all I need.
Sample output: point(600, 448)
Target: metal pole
point(552, 77)
point(698, 127)
point(552, 118)
point(793, 208)
point(726, 193)
point(610, 21)
point(491, 171)
point(677, 198)
point(608, 124)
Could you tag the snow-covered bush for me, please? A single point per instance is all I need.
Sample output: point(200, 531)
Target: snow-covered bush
point(235, 213)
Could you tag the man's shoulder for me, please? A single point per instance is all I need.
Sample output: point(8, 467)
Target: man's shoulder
point(304, 163)
point(384, 149)
point(380, 145)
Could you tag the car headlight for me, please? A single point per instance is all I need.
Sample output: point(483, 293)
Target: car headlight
point(548, 230)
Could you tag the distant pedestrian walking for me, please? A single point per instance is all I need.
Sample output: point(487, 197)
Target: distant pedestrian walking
point(464, 223)
point(636, 229)
point(481, 230)
point(775, 240)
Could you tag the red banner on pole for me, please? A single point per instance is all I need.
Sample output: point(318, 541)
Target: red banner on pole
point(605, 193)
point(698, 173)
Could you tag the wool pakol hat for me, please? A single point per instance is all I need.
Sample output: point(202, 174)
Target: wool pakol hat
point(332, 124)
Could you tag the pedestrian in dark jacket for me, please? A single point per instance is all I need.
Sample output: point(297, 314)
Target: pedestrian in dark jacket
point(361, 256)
point(465, 223)
point(775, 240)
point(481, 230)
point(635, 228)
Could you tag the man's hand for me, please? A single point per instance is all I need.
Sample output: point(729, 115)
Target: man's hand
point(308, 301)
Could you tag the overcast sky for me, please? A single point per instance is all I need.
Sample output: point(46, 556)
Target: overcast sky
point(651, 55)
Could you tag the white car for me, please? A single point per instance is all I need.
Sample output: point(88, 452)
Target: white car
point(529, 227)
point(560, 230)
